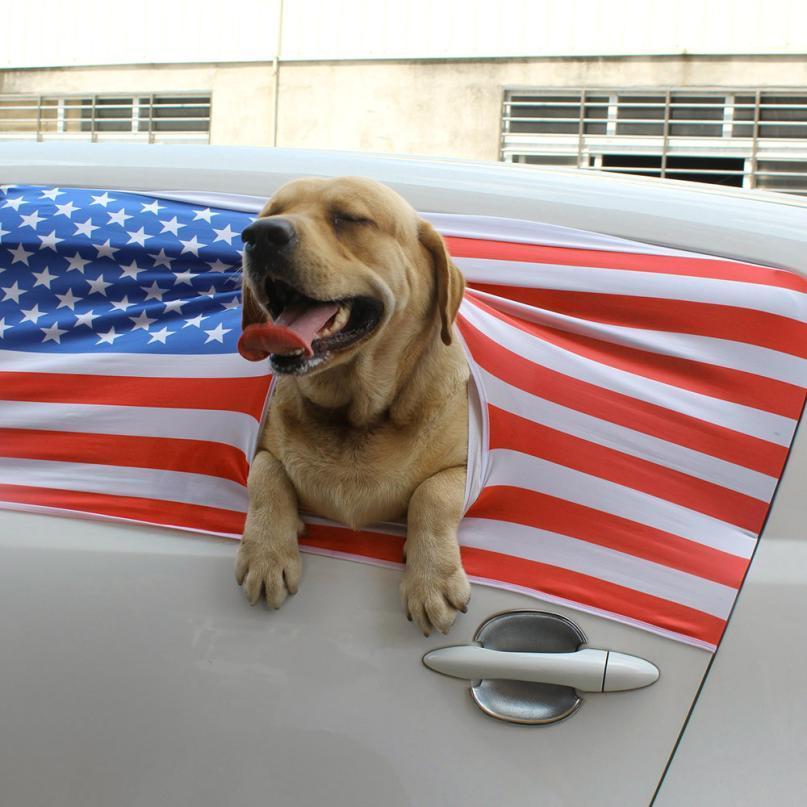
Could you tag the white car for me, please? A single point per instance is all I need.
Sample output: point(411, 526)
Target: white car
point(134, 672)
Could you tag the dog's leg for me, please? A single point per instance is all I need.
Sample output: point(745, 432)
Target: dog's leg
point(268, 559)
point(434, 585)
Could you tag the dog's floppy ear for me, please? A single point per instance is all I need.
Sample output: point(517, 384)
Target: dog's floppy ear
point(448, 280)
point(251, 312)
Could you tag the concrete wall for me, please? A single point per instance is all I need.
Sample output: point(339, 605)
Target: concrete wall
point(438, 108)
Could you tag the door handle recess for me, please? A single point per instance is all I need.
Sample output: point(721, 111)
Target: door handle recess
point(532, 666)
point(586, 670)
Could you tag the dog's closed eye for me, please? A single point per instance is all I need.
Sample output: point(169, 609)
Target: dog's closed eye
point(340, 218)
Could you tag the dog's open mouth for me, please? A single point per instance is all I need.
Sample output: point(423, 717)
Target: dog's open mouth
point(304, 331)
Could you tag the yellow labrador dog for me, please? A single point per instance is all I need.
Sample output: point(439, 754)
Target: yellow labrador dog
point(353, 299)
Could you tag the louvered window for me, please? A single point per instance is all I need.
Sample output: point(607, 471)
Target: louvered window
point(178, 118)
point(743, 137)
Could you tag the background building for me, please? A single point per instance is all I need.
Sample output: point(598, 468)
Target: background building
point(709, 91)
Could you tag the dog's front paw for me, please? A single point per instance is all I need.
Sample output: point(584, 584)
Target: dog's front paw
point(262, 567)
point(432, 600)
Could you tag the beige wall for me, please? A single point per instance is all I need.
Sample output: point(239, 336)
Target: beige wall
point(439, 108)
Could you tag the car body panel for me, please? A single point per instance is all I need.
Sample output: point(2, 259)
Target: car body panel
point(745, 741)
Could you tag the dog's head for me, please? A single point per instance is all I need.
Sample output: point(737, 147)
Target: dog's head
point(332, 266)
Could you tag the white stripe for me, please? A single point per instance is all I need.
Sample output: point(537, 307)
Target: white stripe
point(151, 365)
point(754, 296)
point(519, 470)
point(637, 444)
point(230, 428)
point(522, 231)
point(599, 562)
point(479, 227)
point(114, 480)
point(745, 419)
point(741, 356)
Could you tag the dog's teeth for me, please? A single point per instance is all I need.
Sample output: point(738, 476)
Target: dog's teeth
point(339, 321)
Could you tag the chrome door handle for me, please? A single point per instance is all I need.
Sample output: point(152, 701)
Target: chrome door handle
point(585, 670)
point(531, 666)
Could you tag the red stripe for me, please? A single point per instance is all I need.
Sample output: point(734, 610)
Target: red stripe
point(376, 545)
point(147, 511)
point(540, 577)
point(605, 259)
point(163, 453)
point(744, 325)
point(496, 567)
point(593, 592)
point(245, 395)
point(520, 434)
point(666, 424)
point(532, 509)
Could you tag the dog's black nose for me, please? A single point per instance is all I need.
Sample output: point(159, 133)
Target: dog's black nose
point(265, 236)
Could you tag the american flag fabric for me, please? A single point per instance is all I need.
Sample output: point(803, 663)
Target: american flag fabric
point(636, 404)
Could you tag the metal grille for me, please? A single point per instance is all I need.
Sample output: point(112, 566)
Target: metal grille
point(748, 138)
point(176, 118)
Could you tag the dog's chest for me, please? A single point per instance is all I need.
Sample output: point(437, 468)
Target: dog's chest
point(355, 477)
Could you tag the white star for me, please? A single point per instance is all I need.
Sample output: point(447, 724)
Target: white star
point(160, 336)
point(121, 305)
point(32, 219)
point(224, 235)
point(13, 292)
point(85, 228)
point(192, 246)
point(218, 265)
point(3, 232)
point(66, 209)
point(119, 217)
point(15, 203)
point(99, 285)
point(142, 320)
point(32, 314)
point(138, 237)
point(154, 292)
point(86, 319)
point(217, 334)
point(173, 305)
point(154, 207)
point(20, 254)
point(132, 270)
point(162, 259)
point(53, 334)
point(44, 278)
point(195, 321)
point(109, 337)
point(234, 303)
point(68, 300)
point(203, 214)
point(51, 194)
point(106, 250)
point(3, 327)
point(183, 277)
point(102, 200)
point(171, 226)
point(211, 292)
point(49, 241)
point(77, 262)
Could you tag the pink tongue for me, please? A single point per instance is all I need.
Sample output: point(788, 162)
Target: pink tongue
point(293, 330)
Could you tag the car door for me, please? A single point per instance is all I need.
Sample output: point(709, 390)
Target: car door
point(135, 673)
